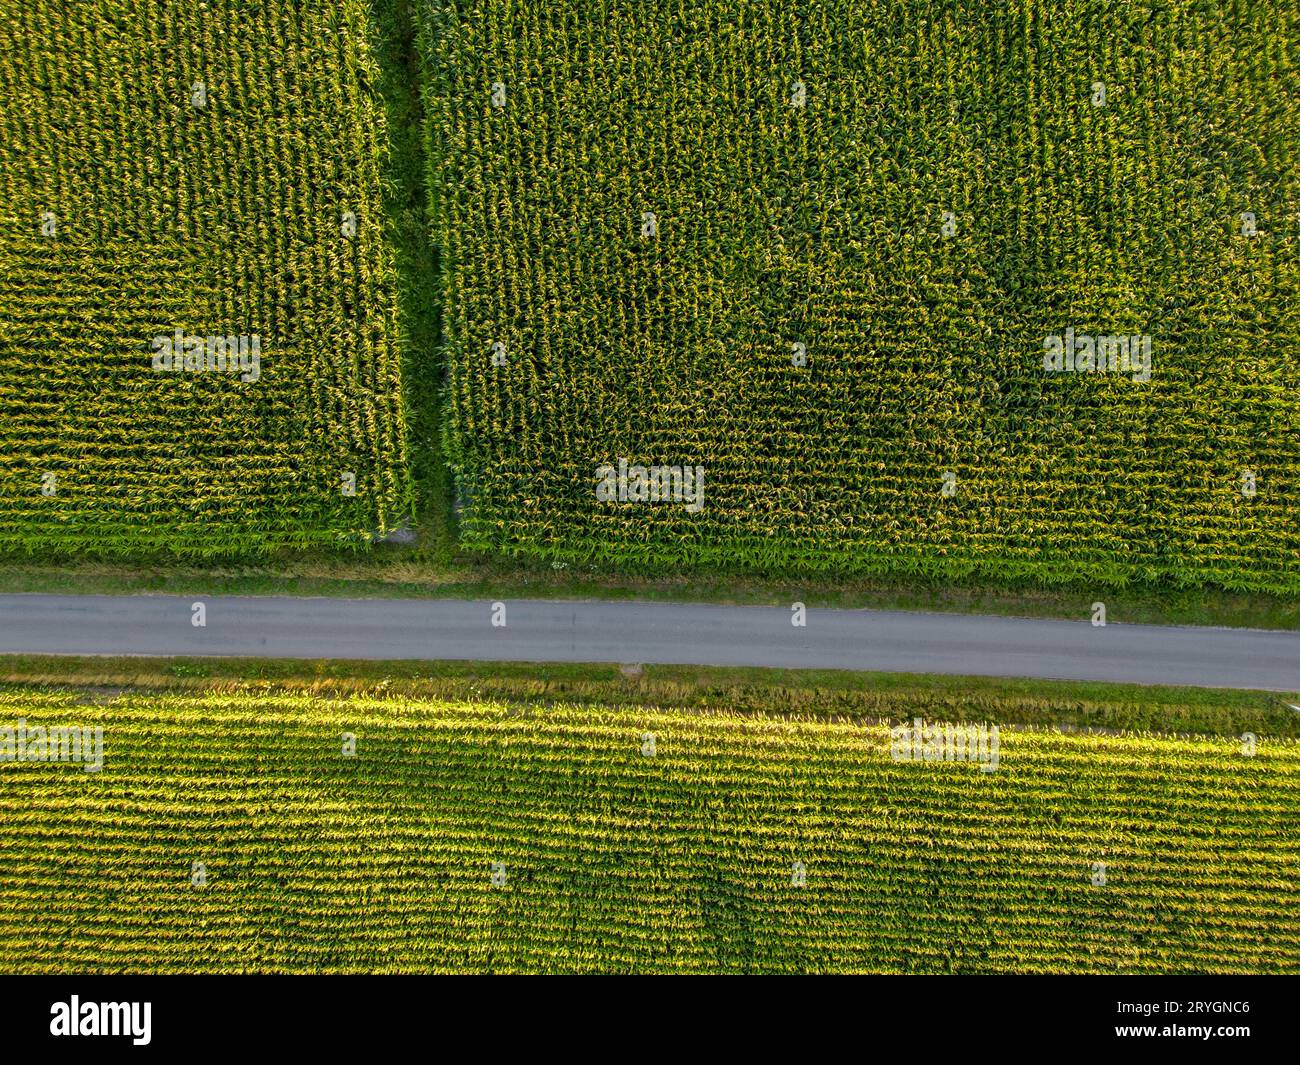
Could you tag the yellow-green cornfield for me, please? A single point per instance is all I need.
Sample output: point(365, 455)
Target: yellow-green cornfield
point(264, 830)
point(214, 170)
point(819, 249)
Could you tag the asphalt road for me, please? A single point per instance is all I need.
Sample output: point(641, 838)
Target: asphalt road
point(628, 632)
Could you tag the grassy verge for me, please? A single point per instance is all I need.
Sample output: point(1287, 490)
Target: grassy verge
point(694, 689)
point(399, 571)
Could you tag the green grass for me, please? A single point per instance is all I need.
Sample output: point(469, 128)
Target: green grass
point(416, 259)
point(618, 862)
point(830, 694)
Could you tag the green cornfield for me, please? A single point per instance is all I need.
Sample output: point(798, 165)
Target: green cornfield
point(820, 250)
point(817, 252)
point(214, 170)
point(227, 832)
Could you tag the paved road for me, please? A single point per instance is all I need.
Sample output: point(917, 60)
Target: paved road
point(686, 634)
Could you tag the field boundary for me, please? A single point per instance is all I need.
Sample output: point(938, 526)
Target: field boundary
point(1064, 706)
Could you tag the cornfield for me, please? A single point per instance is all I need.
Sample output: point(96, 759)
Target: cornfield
point(213, 170)
point(814, 251)
point(818, 249)
point(229, 832)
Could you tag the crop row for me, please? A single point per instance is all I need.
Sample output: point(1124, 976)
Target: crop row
point(214, 170)
point(499, 837)
point(644, 209)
